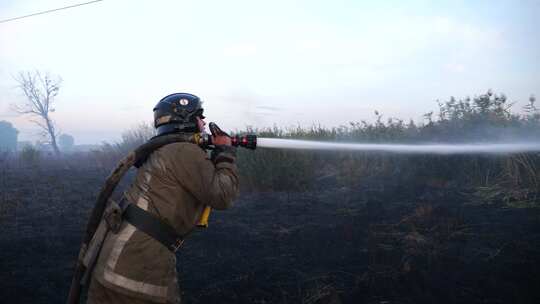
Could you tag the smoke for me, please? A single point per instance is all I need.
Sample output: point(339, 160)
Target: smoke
point(442, 149)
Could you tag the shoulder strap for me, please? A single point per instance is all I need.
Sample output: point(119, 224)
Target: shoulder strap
point(154, 227)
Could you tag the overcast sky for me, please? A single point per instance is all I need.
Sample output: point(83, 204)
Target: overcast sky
point(258, 63)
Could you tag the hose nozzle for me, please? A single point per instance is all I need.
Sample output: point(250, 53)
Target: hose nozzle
point(248, 141)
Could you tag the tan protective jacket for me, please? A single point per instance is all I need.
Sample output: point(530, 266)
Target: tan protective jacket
point(175, 184)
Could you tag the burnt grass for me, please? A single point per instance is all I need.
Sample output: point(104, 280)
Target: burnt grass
point(380, 242)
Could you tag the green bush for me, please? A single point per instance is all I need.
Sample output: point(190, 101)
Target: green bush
point(108, 155)
point(486, 118)
point(30, 156)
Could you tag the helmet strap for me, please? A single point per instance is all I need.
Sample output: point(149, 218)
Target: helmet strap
point(189, 127)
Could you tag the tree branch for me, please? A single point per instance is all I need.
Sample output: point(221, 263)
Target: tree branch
point(40, 91)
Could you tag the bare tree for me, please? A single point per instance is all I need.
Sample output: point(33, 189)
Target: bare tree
point(40, 91)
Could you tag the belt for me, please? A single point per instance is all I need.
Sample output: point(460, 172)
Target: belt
point(154, 227)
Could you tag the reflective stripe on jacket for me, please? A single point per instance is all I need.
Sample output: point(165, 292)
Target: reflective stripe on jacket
point(175, 184)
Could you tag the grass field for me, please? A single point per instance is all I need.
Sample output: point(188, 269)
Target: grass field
point(315, 227)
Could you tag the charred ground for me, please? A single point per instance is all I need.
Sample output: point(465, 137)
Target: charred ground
point(382, 241)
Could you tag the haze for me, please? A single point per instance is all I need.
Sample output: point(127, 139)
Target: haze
point(261, 63)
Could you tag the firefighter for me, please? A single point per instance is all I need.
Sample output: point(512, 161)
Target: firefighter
point(174, 185)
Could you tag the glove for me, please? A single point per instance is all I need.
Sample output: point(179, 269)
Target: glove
point(223, 151)
point(219, 137)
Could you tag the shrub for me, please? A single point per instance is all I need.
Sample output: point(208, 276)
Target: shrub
point(30, 156)
point(486, 118)
point(108, 155)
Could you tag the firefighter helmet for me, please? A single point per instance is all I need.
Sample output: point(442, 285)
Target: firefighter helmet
point(177, 112)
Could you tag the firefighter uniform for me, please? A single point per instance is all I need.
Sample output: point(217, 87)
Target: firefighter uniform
point(175, 184)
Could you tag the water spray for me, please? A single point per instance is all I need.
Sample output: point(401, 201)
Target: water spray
point(442, 149)
point(251, 142)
